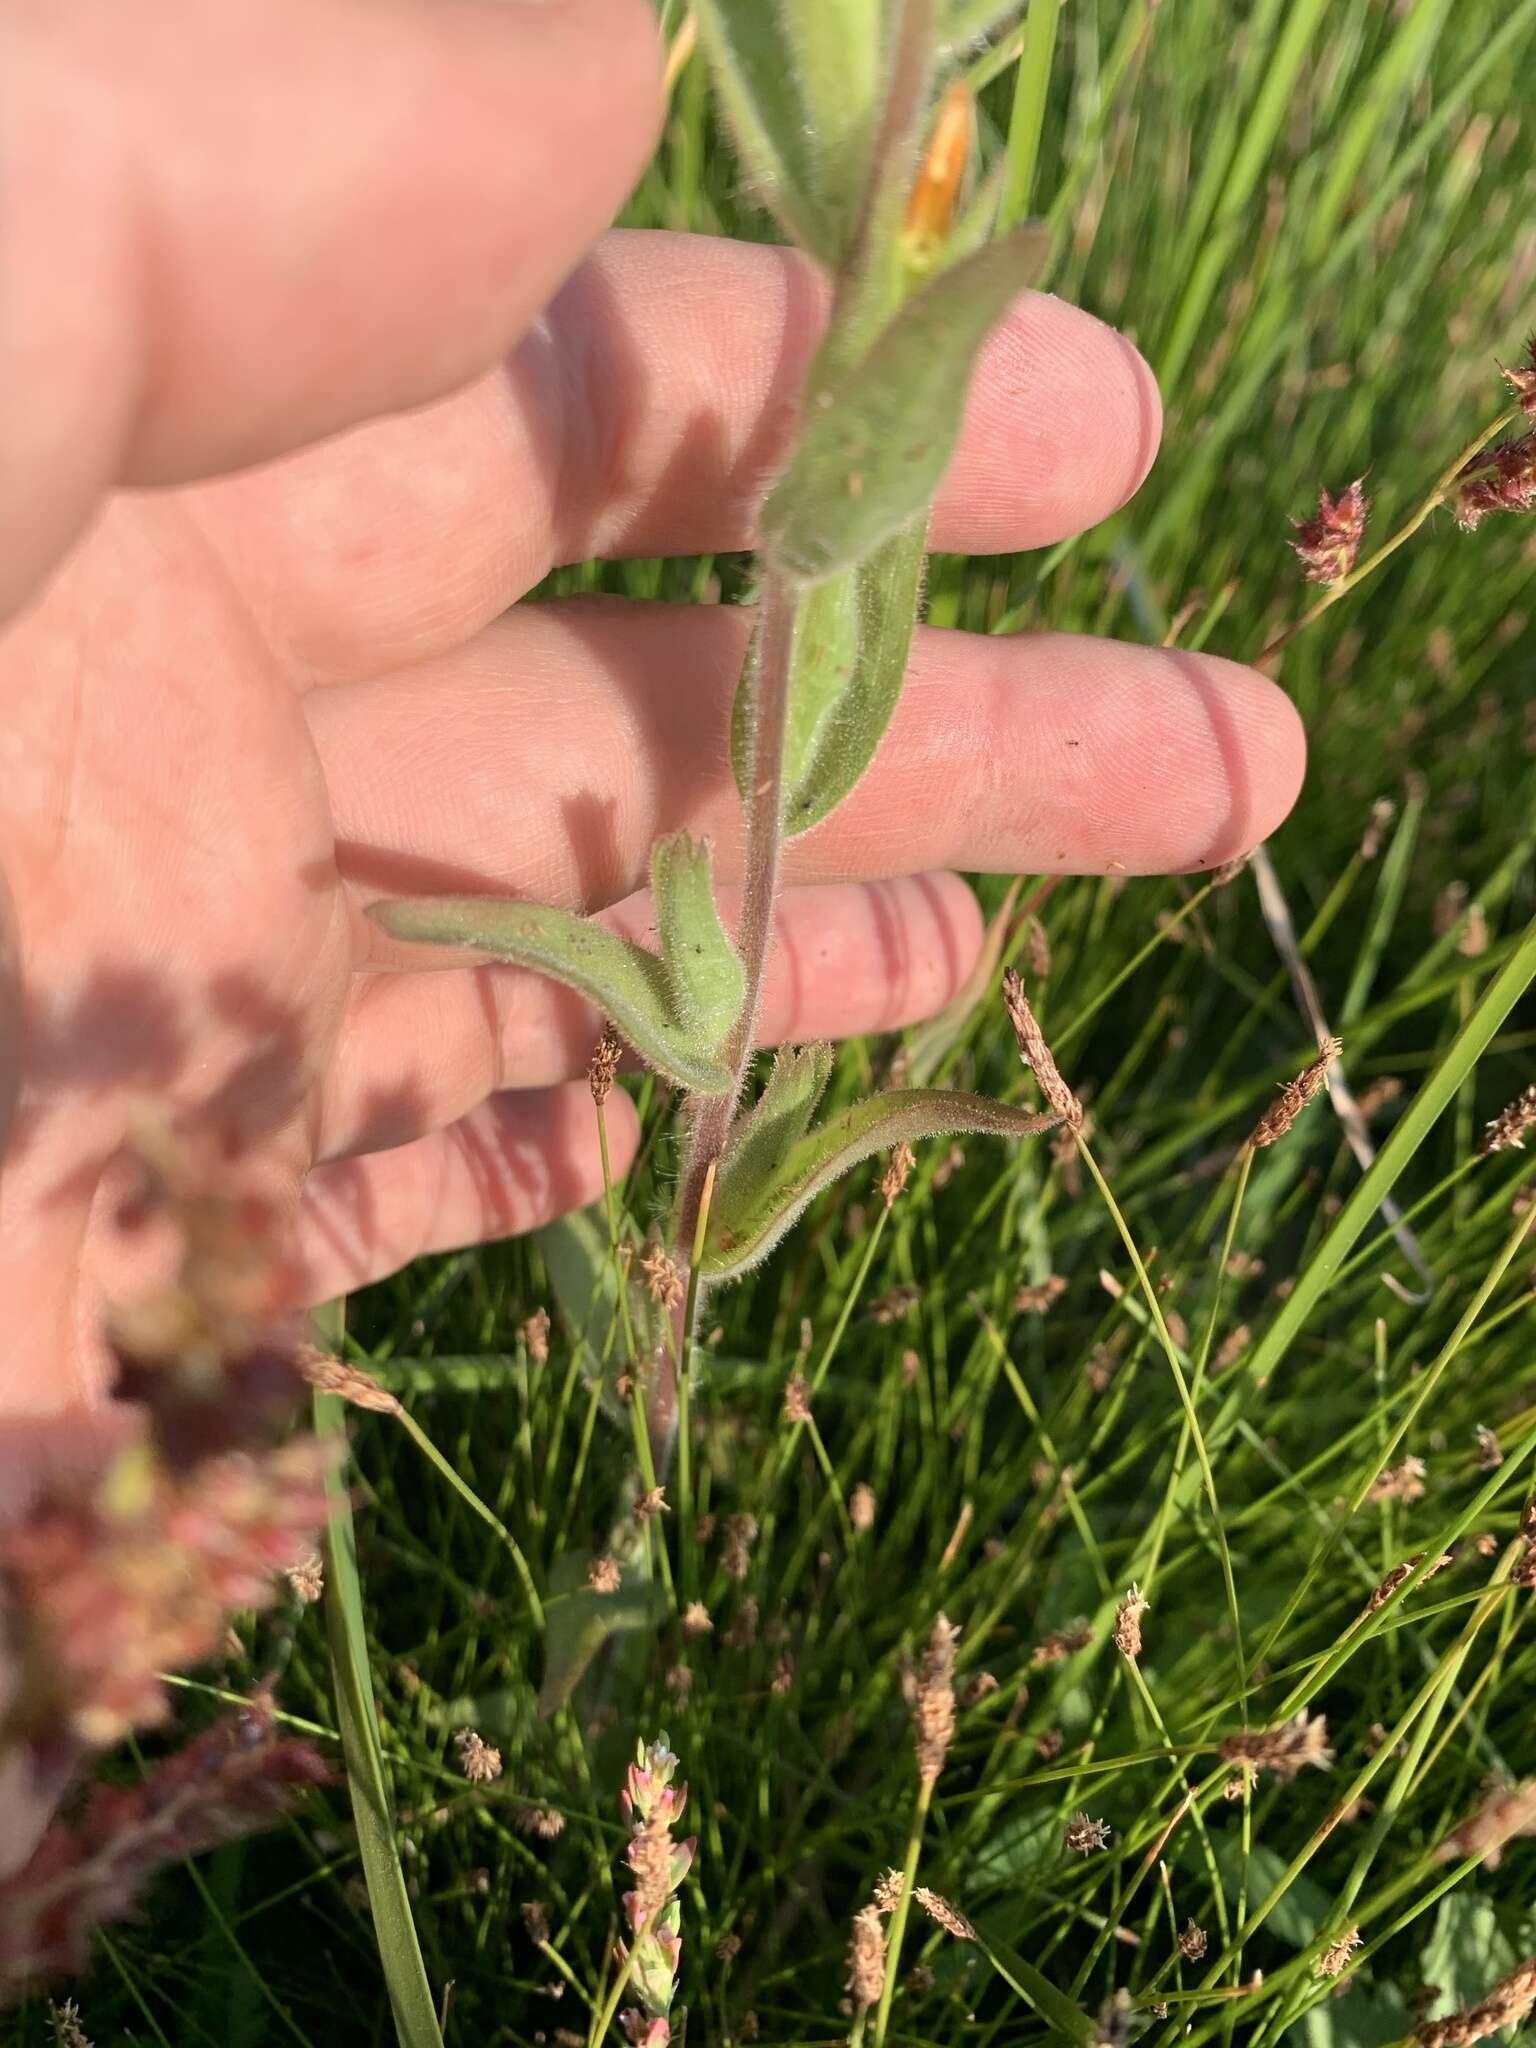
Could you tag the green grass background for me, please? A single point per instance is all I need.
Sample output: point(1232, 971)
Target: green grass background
point(1317, 221)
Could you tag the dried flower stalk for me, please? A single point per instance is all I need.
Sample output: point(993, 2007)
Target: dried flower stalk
point(934, 1714)
point(1295, 1096)
point(1036, 1054)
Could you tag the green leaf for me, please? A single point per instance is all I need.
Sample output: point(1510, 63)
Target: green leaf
point(852, 637)
point(1466, 1954)
point(763, 1139)
point(581, 1621)
point(800, 82)
point(706, 976)
point(1062, 2014)
point(648, 997)
point(930, 1042)
point(752, 1209)
point(410, 1995)
point(877, 435)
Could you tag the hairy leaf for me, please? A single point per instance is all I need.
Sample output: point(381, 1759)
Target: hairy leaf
point(800, 82)
point(581, 1621)
point(752, 1209)
point(668, 1006)
point(852, 638)
point(706, 976)
point(764, 1138)
point(877, 435)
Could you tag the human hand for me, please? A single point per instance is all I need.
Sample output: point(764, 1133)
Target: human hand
point(234, 711)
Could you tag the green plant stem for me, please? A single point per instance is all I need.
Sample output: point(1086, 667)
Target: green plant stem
point(903, 1906)
point(1030, 87)
point(683, 1339)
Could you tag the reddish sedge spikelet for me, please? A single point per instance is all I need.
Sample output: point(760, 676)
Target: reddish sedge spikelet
point(86, 1873)
point(1294, 1096)
point(1501, 479)
point(897, 1172)
point(1326, 544)
point(1399, 1575)
point(328, 1375)
point(603, 1065)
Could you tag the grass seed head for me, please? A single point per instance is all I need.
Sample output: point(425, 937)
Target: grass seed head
point(603, 1065)
point(1285, 1749)
point(943, 1913)
point(1128, 1622)
point(736, 1548)
point(1326, 544)
point(652, 1502)
point(934, 1714)
point(1403, 1482)
point(604, 1575)
point(797, 1399)
point(536, 1919)
point(1192, 1942)
point(1398, 1575)
point(328, 1375)
point(861, 1508)
point(1037, 1300)
point(888, 1891)
point(696, 1621)
point(1036, 1054)
point(663, 1282)
point(1506, 2005)
point(1509, 1127)
point(1490, 1452)
point(1501, 479)
point(1083, 1835)
point(66, 2025)
point(1335, 1957)
point(536, 1337)
point(479, 1762)
point(866, 1957)
point(898, 1171)
point(1295, 1096)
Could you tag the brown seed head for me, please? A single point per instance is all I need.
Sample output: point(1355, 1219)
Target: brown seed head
point(1327, 543)
point(940, 1910)
point(536, 1337)
point(603, 1065)
point(898, 1170)
point(736, 1548)
point(797, 1399)
point(696, 1621)
point(1333, 1959)
point(1506, 2005)
point(977, 1689)
point(604, 1575)
point(934, 1715)
point(67, 2026)
point(1035, 1301)
point(479, 1762)
point(1508, 1812)
point(663, 1282)
point(328, 1375)
point(888, 1890)
point(1232, 1347)
point(1403, 1482)
point(1128, 1622)
point(536, 1919)
point(1036, 1054)
point(1490, 1452)
point(1295, 1096)
point(1060, 1644)
point(1083, 1835)
point(861, 1508)
point(1192, 1942)
point(866, 1958)
point(1398, 1575)
point(1510, 1125)
point(652, 1502)
point(1285, 1749)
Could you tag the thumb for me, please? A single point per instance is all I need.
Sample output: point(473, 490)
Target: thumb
point(228, 227)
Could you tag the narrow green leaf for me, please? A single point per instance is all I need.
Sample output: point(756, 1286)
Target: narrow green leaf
point(877, 436)
point(752, 1210)
point(1058, 2011)
point(799, 81)
point(704, 973)
point(852, 639)
point(628, 984)
point(410, 1995)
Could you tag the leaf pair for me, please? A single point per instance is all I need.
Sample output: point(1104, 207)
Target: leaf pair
point(775, 1163)
point(675, 1007)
